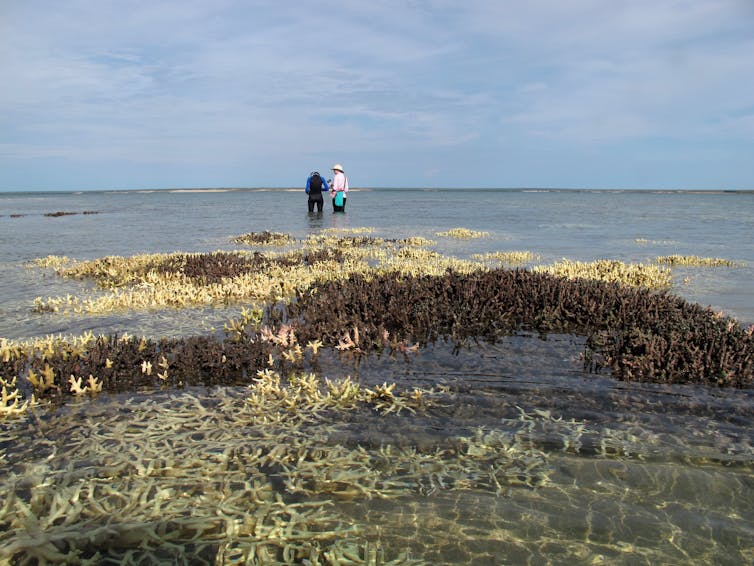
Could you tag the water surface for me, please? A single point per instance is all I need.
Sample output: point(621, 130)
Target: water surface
point(630, 473)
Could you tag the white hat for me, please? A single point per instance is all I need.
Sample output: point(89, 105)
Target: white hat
point(337, 167)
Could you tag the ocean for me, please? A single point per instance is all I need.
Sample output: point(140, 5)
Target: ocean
point(631, 226)
point(636, 473)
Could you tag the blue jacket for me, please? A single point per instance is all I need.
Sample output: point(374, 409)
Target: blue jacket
point(325, 188)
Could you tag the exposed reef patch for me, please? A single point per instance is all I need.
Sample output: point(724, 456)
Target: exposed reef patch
point(637, 333)
point(640, 334)
point(351, 292)
point(64, 213)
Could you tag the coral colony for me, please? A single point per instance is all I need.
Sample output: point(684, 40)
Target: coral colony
point(394, 296)
point(391, 293)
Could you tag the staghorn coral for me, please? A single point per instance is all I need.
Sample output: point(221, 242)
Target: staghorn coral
point(508, 258)
point(126, 363)
point(155, 488)
point(393, 295)
point(638, 275)
point(462, 233)
point(178, 280)
point(695, 261)
point(152, 281)
point(54, 261)
point(265, 238)
point(639, 334)
point(10, 399)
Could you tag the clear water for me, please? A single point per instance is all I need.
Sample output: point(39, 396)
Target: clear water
point(638, 474)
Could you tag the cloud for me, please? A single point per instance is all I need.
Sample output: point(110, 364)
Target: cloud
point(245, 84)
point(604, 72)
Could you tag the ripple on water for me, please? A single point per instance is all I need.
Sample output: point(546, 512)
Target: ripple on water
point(624, 473)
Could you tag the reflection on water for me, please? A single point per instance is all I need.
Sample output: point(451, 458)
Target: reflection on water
point(520, 458)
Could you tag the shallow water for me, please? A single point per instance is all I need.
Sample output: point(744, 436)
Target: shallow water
point(579, 225)
point(618, 473)
point(624, 473)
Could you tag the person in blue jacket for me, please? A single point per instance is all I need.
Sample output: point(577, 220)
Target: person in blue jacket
point(315, 186)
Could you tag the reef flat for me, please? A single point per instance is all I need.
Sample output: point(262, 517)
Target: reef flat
point(233, 448)
point(363, 294)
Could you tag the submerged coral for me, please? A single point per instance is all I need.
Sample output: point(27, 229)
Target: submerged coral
point(638, 333)
point(696, 261)
point(508, 258)
point(463, 233)
point(270, 471)
point(151, 485)
point(392, 294)
point(635, 274)
point(151, 281)
point(265, 238)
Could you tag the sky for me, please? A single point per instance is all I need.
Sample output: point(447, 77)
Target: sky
point(638, 94)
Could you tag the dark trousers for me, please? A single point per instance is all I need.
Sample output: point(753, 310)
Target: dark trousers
point(339, 208)
point(315, 199)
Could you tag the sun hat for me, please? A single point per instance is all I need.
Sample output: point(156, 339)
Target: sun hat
point(337, 167)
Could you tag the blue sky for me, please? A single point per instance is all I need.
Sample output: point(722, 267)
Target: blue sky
point(107, 94)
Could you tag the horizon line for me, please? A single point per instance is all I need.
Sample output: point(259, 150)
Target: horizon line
point(356, 189)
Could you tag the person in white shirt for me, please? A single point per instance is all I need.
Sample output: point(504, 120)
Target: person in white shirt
point(339, 185)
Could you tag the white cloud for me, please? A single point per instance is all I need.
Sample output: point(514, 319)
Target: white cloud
point(230, 83)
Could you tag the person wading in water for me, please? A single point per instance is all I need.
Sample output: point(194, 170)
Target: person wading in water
point(339, 188)
point(315, 186)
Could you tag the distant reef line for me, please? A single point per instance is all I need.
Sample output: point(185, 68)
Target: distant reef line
point(392, 189)
point(56, 214)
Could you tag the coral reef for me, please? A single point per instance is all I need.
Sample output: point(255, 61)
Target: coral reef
point(150, 281)
point(63, 213)
point(268, 472)
point(638, 333)
point(508, 258)
point(350, 291)
point(241, 477)
point(636, 274)
point(696, 261)
point(265, 238)
point(462, 233)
